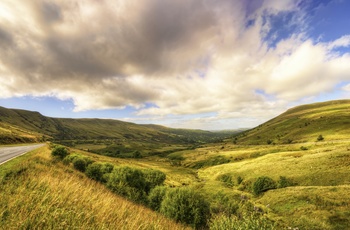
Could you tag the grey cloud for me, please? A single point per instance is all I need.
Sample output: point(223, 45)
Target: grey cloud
point(163, 37)
point(6, 38)
point(51, 12)
point(104, 54)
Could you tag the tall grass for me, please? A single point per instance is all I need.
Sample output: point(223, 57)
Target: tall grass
point(41, 194)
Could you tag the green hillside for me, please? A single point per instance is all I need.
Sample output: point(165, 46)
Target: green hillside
point(37, 192)
point(26, 126)
point(305, 181)
point(303, 124)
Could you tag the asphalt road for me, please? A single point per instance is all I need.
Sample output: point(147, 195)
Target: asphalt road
point(8, 153)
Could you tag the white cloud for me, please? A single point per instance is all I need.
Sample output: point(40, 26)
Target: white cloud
point(184, 57)
point(346, 87)
point(343, 41)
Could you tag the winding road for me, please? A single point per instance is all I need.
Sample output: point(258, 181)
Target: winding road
point(8, 153)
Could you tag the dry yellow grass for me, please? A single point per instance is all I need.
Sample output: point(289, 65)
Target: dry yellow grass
point(41, 194)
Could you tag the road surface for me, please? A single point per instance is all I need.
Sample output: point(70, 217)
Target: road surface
point(8, 153)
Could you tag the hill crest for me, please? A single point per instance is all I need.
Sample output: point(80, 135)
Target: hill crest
point(302, 123)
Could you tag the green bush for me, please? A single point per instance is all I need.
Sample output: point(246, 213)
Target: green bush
point(226, 178)
point(263, 184)
point(153, 178)
point(284, 182)
point(99, 171)
point(128, 182)
point(80, 164)
point(136, 154)
point(227, 204)
point(69, 159)
point(245, 185)
point(187, 206)
point(59, 152)
point(156, 197)
point(107, 168)
point(320, 138)
point(94, 171)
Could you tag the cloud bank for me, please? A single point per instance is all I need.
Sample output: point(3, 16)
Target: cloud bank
point(166, 57)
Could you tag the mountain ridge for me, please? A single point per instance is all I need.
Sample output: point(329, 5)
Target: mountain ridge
point(43, 128)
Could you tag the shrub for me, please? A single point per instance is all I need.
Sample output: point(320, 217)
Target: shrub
point(320, 138)
point(284, 182)
point(187, 206)
point(59, 152)
point(245, 185)
point(80, 164)
point(263, 184)
point(136, 154)
point(69, 159)
point(227, 204)
point(226, 178)
point(153, 178)
point(156, 197)
point(128, 182)
point(303, 148)
point(269, 142)
point(107, 168)
point(94, 171)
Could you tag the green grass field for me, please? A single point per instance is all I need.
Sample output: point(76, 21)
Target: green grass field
point(311, 176)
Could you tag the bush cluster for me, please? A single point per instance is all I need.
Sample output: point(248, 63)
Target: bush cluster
point(227, 204)
point(284, 182)
point(263, 184)
point(226, 178)
point(59, 152)
point(79, 162)
point(146, 186)
point(135, 184)
point(187, 206)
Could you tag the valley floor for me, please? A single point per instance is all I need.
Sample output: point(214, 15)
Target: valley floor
point(315, 197)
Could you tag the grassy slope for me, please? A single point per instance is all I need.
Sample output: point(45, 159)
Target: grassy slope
point(320, 200)
point(36, 193)
point(303, 123)
point(18, 124)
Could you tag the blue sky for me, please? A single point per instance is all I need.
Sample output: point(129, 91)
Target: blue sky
point(187, 64)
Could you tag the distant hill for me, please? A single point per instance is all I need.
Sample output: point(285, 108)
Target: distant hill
point(18, 126)
point(303, 124)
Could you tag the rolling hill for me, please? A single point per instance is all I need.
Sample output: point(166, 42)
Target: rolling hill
point(303, 124)
point(26, 126)
point(310, 177)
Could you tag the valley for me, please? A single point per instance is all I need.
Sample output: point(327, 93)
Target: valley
point(308, 176)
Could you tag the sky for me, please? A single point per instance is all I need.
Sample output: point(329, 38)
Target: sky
point(199, 64)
